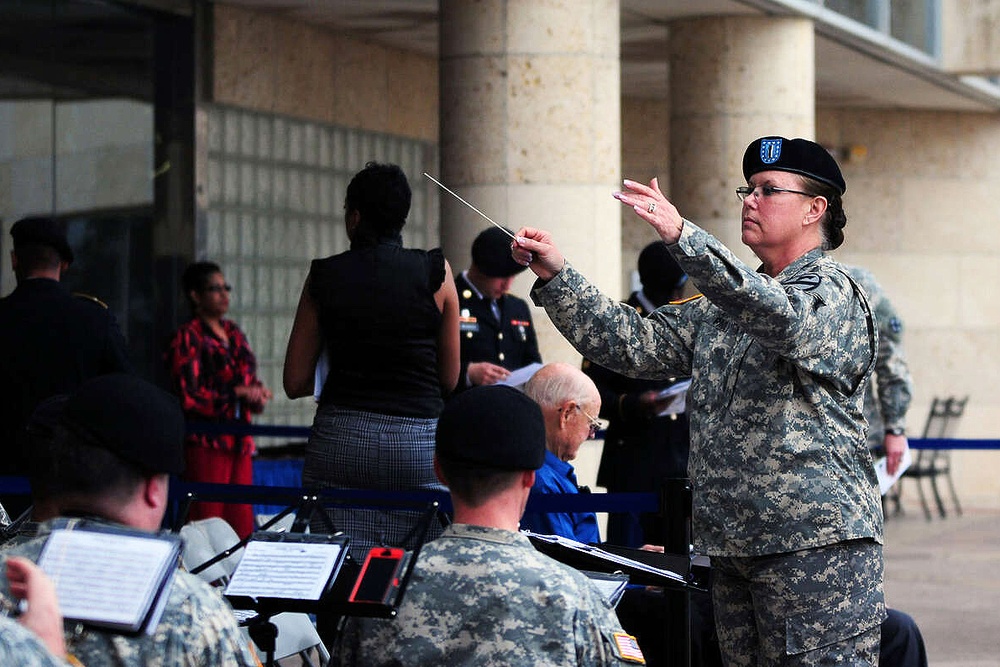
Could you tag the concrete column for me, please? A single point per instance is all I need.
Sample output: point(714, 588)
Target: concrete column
point(969, 37)
point(530, 131)
point(733, 79)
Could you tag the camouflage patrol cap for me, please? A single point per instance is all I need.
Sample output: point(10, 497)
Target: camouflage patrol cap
point(799, 156)
point(132, 418)
point(491, 254)
point(493, 427)
point(41, 230)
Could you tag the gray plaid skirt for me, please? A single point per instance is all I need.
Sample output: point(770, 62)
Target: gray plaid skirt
point(353, 449)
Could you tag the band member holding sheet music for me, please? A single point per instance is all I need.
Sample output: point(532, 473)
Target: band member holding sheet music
point(497, 333)
point(387, 319)
point(785, 496)
point(647, 440)
point(481, 594)
point(108, 450)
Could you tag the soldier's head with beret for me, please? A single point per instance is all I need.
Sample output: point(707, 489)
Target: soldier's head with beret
point(491, 254)
point(493, 269)
point(39, 245)
point(95, 450)
point(485, 437)
point(818, 172)
point(662, 277)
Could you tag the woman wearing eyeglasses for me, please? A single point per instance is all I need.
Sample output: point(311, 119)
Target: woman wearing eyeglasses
point(784, 490)
point(214, 372)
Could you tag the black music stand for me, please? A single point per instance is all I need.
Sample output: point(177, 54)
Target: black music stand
point(337, 591)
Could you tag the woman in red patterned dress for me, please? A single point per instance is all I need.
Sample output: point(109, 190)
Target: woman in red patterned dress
point(214, 373)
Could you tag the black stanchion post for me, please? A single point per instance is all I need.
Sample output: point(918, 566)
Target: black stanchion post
point(675, 508)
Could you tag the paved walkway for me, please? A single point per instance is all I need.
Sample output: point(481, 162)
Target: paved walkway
point(946, 574)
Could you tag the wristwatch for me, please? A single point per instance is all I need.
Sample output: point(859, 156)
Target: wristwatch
point(897, 430)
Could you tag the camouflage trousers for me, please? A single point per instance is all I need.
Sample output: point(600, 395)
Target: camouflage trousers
point(820, 606)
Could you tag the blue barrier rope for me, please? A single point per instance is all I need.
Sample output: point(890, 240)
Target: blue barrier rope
point(302, 432)
point(370, 499)
point(953, 443)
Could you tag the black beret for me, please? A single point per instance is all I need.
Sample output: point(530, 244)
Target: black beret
point(658, 270)
point(491, 254)
point(494, 427)
point(42, 231)
point(137, 421)
point(799, 156)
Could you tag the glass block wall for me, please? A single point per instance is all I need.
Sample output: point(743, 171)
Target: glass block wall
point(913, 22)
point(275, 189)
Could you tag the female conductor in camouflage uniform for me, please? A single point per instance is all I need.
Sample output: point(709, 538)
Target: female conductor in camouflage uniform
point(785, 498)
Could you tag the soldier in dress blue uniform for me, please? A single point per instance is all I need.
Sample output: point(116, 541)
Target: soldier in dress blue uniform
point(50, 339)
point(496, 331)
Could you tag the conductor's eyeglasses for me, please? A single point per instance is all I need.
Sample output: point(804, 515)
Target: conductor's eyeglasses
point(766, 191)
point(219, 288)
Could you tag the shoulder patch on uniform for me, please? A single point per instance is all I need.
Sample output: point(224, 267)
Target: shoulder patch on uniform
point(88, 297)
point(809, 281)
point(627, 648)
point(690, 298)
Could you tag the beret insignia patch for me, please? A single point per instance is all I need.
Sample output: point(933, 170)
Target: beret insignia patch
point(770, 150)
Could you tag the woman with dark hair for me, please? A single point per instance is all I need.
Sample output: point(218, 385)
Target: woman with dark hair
point(386, 318)
point(214, 372)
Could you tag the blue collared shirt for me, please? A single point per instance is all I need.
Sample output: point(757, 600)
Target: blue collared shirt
point(557, 476)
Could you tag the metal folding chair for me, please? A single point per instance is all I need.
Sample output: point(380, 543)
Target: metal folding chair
point(930, 464)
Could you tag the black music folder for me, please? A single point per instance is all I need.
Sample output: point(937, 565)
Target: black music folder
point(276, 568)
point(587, 557)
point(110, 576)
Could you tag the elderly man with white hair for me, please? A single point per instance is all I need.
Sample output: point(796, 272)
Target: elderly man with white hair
point(570, 402)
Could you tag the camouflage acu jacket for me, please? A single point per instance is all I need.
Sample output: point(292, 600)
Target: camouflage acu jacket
point(20, 646)
point(887, 408)
point(779, 366)
point(485, 597)
point(197, 626)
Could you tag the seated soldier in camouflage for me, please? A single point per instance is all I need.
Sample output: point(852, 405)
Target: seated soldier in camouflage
point(104, 455)
point(35, 639)
point(480, 594)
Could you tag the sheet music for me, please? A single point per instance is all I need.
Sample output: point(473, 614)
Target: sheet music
point(606, 555)
point(885, 481)
point(104, 577)
point(289, 570)
point(678, 393)
point(319, 375)
point(521, 375)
